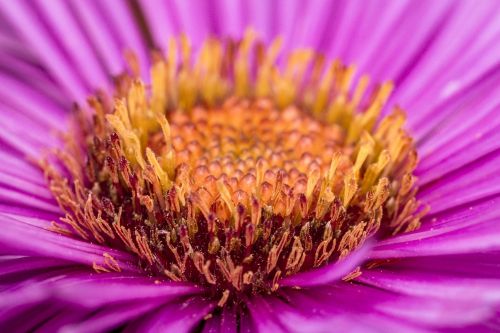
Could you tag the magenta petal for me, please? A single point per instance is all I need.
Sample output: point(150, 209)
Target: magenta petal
point(329, 273)
point(14, 197)
point(111, 317)
point(33, 31)
point(21, 268)
point(470, 184)
point(176, 317)
point(21, 185)
point(265, 317)
point(377, 308)
point(321, 311)
point(94, 291)
point(472, 265)
point(81, 300)
point(121, 22)
point(28, 318)
point(81, 287)
point(428, 284)
point(212, 325)
point(64, 27)
point(232, 11)
point(28, 236)
point(472, 239)
point(466, 229)
point(228, 321)
point(193, 19)
point(15, 166)
point(100, 36)
point(162, 19)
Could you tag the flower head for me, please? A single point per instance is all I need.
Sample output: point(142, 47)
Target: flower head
point(212, 177)
point(235, 181)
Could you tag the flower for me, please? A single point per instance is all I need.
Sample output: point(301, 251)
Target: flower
point(238, 191)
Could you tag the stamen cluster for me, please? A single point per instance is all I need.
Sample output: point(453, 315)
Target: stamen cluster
point(232, 172)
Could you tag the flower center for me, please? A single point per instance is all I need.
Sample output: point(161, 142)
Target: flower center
point(232, 172)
